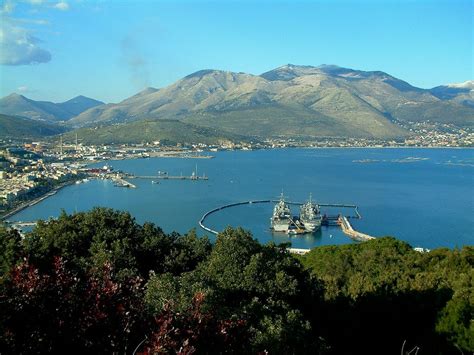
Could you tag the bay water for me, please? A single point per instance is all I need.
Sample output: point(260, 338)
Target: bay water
point(422, 196)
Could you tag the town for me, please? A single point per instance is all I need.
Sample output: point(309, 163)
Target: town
point(30, 171)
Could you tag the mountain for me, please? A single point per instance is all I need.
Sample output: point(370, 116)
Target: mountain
point(166, 131)
point(79, 104)
point(19, 105)
point(292, 100)
point(19, 127)
point(462, 93)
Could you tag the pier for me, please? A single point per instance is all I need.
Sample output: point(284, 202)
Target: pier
point(348, 230)
point(120, 182)
point(171, 177)
point(339, 220)
point(163, 175)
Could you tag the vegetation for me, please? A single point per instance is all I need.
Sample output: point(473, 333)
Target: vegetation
point(290, 101)
point(17, 127)
point(169, 131)
point(99, 282)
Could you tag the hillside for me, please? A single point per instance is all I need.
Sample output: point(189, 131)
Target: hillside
point(19, 105)
point(18, 127)
point(301, 101)
point(166, 131)
point(462, 93)
point(79, 104)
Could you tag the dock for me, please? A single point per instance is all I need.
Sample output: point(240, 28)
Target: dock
point(163, 175)
point(120, 182)
point(348, 230)
point(339, 220)
point(171, 177)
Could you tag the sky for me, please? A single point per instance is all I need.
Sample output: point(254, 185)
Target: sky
point(110, 50)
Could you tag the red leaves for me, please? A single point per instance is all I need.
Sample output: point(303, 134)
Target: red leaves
point(93, 310)
point(195, 330)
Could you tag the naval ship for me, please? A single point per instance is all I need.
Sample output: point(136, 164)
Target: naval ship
point(310, 216)
point(281, 218)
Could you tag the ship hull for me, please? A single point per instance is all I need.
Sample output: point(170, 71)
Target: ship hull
point(311, 226)
point(280, 226)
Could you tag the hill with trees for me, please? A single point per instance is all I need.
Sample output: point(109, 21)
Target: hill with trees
point(19, 127)
point(166, 131)
point(98, 282)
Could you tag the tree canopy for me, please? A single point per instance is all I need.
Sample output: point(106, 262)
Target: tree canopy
point(98, 281)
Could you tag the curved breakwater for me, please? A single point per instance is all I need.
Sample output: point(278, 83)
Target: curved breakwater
point(342, 220)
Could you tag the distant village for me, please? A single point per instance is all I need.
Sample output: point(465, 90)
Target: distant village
point(30, 170)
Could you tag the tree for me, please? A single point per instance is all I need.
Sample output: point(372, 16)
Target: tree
point(10, 249)
point(196, 331)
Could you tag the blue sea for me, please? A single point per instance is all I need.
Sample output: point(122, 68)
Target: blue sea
point(422, 196)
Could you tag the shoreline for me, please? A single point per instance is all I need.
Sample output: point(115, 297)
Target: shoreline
point(35, 200)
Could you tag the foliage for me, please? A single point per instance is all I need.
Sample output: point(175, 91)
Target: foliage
point(193, 330)
point(169, 132)
point(19, 127)
point(10, 250)
point(99, 282)
point(387, 293)
point(49, 312)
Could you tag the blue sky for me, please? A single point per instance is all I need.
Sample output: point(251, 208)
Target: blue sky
point(109, 50)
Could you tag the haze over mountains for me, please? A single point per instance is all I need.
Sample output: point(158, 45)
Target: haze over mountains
point(19, 105)
point(296, 101)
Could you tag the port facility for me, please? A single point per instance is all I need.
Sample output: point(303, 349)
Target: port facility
point(342, 221)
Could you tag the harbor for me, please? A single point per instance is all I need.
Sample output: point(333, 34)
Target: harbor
point(234, 177)
point(293, 225)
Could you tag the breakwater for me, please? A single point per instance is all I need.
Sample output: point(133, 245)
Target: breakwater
point(342, 221)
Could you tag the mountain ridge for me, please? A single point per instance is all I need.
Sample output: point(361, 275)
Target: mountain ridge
point(360, 103)
point(291, 101)
point(19, 105)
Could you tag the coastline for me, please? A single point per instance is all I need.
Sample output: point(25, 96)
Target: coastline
point(34, 201)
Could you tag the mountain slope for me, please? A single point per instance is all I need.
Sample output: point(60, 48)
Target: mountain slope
point(169, 131)
point(19, 127)
point(79, 104)
point(291, 100)
point(19, 105)
point(462, 93)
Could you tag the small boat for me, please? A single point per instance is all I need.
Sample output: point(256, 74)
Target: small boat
point(155, 182)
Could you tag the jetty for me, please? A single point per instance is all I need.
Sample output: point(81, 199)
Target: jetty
point(339, 220)
point(171, 177)
point(348, 230)
point(120, 182)
point(163, 175)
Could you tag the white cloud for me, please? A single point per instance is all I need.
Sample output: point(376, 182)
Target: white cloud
point(22, 89)
point(18, 44)
point(63, 6)
point(20, 47)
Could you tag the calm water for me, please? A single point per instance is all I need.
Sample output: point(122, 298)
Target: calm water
point(427, 201)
